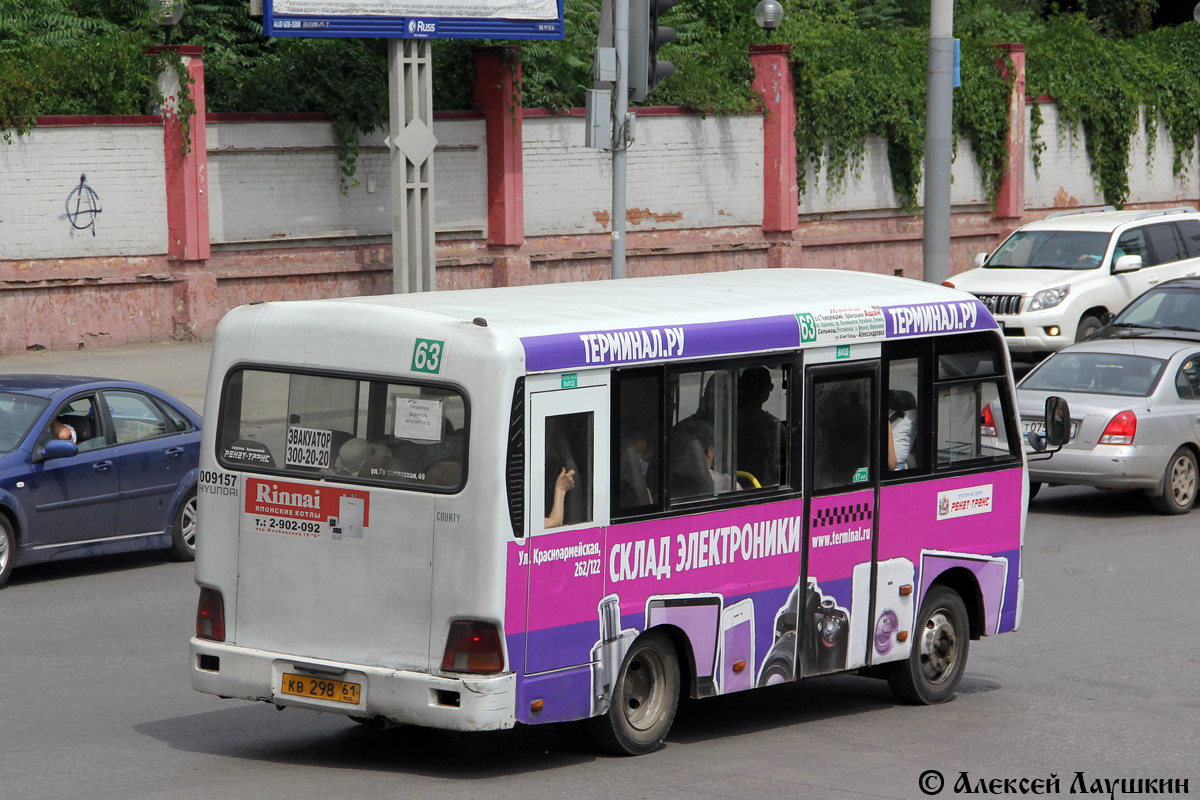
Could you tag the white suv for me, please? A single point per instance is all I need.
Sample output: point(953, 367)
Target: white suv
point(1052, 282)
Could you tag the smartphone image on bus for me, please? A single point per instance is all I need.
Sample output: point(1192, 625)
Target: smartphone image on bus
point(737, 647)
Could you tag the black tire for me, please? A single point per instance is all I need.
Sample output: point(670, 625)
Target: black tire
point(938, 659)
point(644, 700)
point(1034, 488)
point(8, 550)
point(780, 664)
point(1087, 326)
point(1179, 484)
point(183, 530)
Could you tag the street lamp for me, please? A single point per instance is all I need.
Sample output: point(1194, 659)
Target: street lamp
point(167, 14)
point(768, 14)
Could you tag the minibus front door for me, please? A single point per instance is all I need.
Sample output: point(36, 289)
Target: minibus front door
point(568, 446)
point(841, 480)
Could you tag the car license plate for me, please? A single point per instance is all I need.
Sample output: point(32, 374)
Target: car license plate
point(321, 688)
point(1039, 426)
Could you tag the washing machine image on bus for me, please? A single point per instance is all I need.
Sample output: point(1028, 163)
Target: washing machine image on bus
point(348, 524)
point(894, 611)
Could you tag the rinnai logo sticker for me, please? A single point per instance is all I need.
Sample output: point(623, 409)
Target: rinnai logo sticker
point(964, 502)
point(305, 511)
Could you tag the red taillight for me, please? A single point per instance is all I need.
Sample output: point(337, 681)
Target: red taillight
point(473, 647)
point(1121, 429)
point(987, 427)
point(210, 615)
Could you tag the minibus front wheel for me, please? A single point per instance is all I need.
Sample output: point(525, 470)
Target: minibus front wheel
point(935, 666)
point(644, 700)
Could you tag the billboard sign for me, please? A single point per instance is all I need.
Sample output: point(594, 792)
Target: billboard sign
point(415, 19)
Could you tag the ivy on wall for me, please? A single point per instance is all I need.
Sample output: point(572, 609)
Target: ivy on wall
point(1101, 84)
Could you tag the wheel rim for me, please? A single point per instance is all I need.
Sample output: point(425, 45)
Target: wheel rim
point(1183, 481)
point(3, 551)
point(643, 694)
point(187, 523)
point(939, 647)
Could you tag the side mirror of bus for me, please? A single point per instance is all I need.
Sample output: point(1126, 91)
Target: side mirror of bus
point(1058, 422)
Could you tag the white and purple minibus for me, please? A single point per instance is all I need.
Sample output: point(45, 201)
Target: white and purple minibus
point(473, 509)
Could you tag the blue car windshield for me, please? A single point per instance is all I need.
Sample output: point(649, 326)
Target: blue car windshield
point(1096, 373)
point(18, 412)
point(1050, 250)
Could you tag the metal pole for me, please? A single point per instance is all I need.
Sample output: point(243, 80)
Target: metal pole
point(939, 116)
point(620, 118)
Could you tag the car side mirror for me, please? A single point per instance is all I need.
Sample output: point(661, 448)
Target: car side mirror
point(1058, 422)
point(980, 259)
point(1127, 264)
point(59, 448)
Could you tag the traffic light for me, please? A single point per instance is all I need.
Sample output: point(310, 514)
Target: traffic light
point(645, 37)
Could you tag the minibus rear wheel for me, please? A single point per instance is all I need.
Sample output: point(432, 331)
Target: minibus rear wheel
point(938, 658)
point(644, 700)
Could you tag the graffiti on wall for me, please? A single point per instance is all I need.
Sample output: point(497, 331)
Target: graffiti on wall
point(83, 206)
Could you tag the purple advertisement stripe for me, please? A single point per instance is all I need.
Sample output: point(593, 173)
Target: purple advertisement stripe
point(659, 343)
point(950, 316)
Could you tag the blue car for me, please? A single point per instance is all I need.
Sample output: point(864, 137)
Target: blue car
point(90, 466)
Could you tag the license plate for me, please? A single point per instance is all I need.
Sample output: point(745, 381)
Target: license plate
point(321, 688)
point(1039, 426)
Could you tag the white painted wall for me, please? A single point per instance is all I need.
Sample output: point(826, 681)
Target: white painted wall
point(868, 185)
point(278, 181)
point(683, 171)
point(40, 173)
point(273, 181)
point(1064, 178)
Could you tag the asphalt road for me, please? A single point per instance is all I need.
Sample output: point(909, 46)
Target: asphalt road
point(1103, 679)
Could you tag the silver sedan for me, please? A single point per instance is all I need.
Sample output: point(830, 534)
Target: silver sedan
point(1135, 417)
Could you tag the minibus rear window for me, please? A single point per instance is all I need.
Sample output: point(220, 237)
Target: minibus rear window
point(335, 427)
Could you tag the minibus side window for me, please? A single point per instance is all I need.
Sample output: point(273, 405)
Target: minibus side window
point(905, 403)
point(973, 407)
point(700, 448)
point(638, 438)
point(568, 484)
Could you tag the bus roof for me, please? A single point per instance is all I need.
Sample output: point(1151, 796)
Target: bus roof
point(577, 324)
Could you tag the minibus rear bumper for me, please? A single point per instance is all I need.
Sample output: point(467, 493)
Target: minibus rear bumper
point(406, 697)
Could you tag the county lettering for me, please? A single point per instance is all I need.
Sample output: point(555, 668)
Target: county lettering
point(634, 345)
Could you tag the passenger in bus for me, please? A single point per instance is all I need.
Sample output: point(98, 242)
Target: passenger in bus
point(758, 431)
point(634, 464)
point(561, 437)
point(352, 456)
point(901, 407)
point(692, 472)
point(563, 484)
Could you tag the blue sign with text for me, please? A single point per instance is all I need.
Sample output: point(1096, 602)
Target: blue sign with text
point(415, 19)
